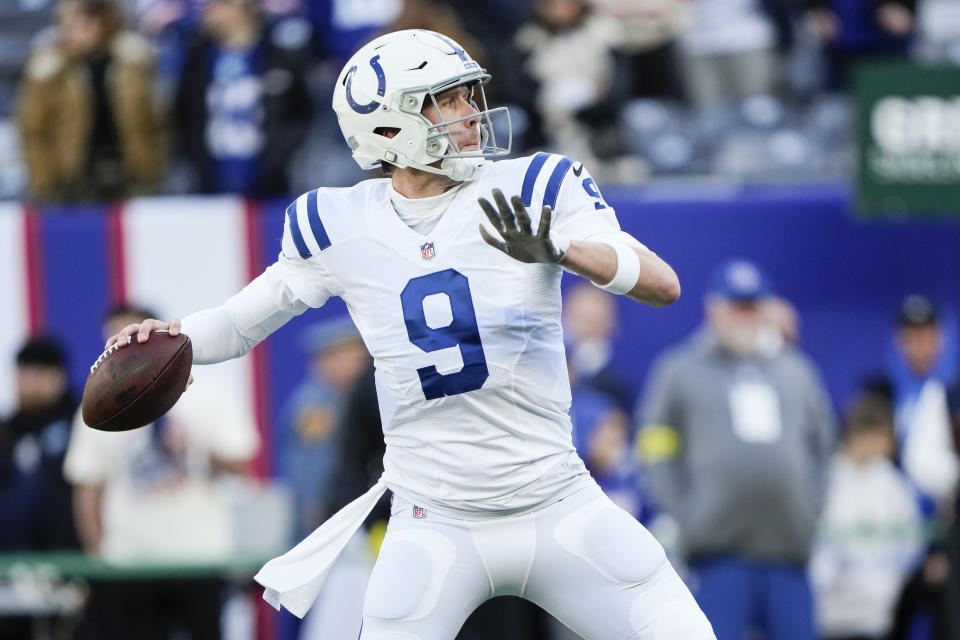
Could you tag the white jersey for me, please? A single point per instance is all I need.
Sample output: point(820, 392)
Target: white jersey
point(467, 342)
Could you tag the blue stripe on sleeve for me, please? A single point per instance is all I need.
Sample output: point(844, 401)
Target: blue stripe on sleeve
point(295, 232)
point(553, 184)
point(316, 225)
point(530, 178)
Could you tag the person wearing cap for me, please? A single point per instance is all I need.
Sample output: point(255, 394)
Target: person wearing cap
point(921, 368)
point(737, 435)
point(34, 497)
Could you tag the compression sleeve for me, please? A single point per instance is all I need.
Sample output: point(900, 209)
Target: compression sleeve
point(259, 309)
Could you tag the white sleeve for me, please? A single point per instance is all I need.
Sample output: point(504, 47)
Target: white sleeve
point(285, 290)
point(85, 462)
point(581, 212)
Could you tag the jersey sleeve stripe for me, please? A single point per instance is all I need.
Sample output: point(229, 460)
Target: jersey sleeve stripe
point(556, 179)
point(316, 225)
point(294, 225)
point(530, 178)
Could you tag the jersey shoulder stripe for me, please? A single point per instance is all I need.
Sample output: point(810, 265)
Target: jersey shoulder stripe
point(543, 178)
point(316, 225)
point(295, 233)
point(307, 230)
point(530, 177)
point(556, 179)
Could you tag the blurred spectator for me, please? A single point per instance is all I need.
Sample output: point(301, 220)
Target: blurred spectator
point(242, 107)
point(344, 26)
point(856, 30)
point(574, 101)
point(737, 437)
point(87, 118)
point(21, 24)
point(309, 437)
point(921, 368)
point(929, 606)
point(602, 436)
point(871, 534)
point(493, 23)
point(35, 509)
point(938, 25)
point(650, 28)
point(150, 495)
point(589, 326)
point(728, 51)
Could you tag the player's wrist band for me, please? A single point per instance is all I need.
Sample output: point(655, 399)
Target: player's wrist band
point(628, 269)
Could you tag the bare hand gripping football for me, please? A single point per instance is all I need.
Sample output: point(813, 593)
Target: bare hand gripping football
point(134, 385)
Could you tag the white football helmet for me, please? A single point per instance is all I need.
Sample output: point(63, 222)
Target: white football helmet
point(385, 86)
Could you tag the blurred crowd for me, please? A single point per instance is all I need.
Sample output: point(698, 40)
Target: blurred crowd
point(106, 99)
point(790, 518)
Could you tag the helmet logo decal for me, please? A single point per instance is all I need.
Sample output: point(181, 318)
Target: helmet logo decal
point(468, 63)
point(381, 87)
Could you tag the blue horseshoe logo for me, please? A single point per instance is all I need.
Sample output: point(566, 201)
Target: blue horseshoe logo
point(381, 87)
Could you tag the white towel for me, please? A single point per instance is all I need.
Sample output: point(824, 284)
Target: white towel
point(293, 580)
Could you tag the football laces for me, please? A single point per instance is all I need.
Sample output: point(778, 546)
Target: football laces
point(116, 345)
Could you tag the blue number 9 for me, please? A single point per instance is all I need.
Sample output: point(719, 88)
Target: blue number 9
point(462, 331)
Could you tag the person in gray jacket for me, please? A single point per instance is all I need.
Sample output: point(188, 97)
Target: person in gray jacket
point(737, 435)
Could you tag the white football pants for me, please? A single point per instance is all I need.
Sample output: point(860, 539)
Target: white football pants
point(582, 559)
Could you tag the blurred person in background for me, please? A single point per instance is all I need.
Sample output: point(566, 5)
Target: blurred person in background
point(853, 31)
point(87, 118)
point(728, 52)
point(602, 435)
point(309, 434)
point(737, 436)
point(574, 99)
point(871, 536)
point(589, 326)
point(35, 510)
point(151, 496)
point(242, 107)
point(650, 29)
point(921, 368)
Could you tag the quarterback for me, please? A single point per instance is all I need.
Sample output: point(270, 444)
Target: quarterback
point(450, 267)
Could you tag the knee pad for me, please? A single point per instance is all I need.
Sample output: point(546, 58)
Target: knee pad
point(386, 635)
point(680, 620)
point(408, 577)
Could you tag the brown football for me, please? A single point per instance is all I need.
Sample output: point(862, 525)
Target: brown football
point(131, 386)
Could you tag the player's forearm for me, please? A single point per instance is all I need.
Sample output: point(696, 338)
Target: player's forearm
point(657, 283)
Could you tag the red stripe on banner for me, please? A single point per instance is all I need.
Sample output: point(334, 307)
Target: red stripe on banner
point(116, 255)
point(36, 281)
point(260, 360)
point(266, 618)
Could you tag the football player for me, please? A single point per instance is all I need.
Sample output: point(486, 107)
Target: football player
point(450, 268)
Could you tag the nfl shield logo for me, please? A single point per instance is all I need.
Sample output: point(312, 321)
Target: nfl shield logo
point(427, 251)
point(419, 512)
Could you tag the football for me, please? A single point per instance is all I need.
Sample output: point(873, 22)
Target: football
point(129, 387)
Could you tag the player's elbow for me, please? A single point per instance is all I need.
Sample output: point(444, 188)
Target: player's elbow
point(662, 290)
point(668, 291)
